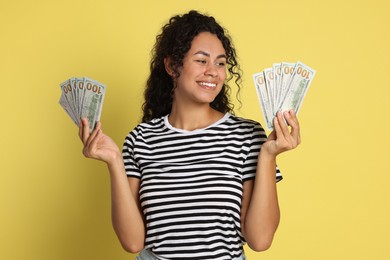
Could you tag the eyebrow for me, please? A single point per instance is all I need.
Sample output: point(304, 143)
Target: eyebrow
point(208, 55)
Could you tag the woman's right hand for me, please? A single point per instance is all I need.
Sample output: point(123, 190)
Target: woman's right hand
point(97, 145)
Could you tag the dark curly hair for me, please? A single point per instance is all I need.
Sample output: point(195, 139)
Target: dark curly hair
point(174, 42)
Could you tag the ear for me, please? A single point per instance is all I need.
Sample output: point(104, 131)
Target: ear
point(168, 66)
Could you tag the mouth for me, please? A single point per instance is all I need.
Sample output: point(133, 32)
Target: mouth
point(207, 85)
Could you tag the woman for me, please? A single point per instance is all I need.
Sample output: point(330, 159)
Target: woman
point(184, 185)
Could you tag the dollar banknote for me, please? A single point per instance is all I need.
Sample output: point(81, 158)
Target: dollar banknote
point(277, 81)
point(264, 98)
point(83, 97)
point(297, 88)
point(269, 77)
point(282, 88)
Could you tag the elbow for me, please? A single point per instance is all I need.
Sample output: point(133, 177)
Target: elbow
point(132, 247)
point(261, 244)
point(260, 239)
point(131, 242)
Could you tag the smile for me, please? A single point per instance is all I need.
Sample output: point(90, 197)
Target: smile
point(207, 84)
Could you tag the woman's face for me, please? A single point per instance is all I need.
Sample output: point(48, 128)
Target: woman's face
point(203, 72)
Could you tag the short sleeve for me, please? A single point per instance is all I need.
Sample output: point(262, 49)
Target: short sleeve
point(257, 138)
point(131, 166)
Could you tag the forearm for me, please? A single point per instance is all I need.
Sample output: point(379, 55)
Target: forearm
point(126, 216)
point(263, 213)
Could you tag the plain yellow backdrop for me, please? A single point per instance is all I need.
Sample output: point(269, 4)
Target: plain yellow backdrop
point(55, 204)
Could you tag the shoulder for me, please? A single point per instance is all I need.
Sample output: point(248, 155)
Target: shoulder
point(154, 123)
point(153, 126)
point(252, 128)
point(243, 122)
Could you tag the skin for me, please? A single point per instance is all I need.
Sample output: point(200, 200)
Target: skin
point(201, 79)
point(204, 65)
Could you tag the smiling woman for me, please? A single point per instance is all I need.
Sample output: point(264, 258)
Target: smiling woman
point(169, 53)
point(193, 181)
point(201, 79)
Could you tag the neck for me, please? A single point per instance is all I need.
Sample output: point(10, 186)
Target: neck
point(190, 119)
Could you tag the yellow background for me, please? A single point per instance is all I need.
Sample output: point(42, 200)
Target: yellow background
point(55, 204)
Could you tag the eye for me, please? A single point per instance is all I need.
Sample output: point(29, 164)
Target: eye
point(221, 64)
point(201, 61)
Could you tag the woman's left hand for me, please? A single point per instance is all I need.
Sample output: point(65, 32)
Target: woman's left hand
point(284, 137)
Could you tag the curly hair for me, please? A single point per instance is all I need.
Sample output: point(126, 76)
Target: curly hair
point(174, 42)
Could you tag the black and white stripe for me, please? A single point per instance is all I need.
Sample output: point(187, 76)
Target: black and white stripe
point(191, 184)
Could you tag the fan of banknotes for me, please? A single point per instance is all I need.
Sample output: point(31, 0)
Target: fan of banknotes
point(282, 87)
point(83, 97)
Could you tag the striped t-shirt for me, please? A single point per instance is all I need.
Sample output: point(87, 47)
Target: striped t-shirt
point(192, 183)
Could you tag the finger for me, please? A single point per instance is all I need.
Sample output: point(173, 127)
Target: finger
point(94, 141)
point(81, 129)
point(290, 120)
point(295, 128)
point(92, 136)
point(277, 128)
point(98, 125)
point(90, 148)
point(83, 125)
point(283, 126)
point(295, 138)
point(85, 133)
point(294, 122)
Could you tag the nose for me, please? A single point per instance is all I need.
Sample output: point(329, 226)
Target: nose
point(211, 70)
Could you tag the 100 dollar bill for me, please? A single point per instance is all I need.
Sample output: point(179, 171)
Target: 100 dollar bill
point(297, 89)
point(83, 97)
point(282, 87)
point(264, 98)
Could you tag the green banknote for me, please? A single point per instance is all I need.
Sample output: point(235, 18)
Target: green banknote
point(83, 97)
point(282, 88)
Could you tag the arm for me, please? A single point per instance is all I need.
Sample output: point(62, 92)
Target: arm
point(126, 214)
point(260, 208)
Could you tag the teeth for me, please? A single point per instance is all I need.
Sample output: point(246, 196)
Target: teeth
point(208, 84)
